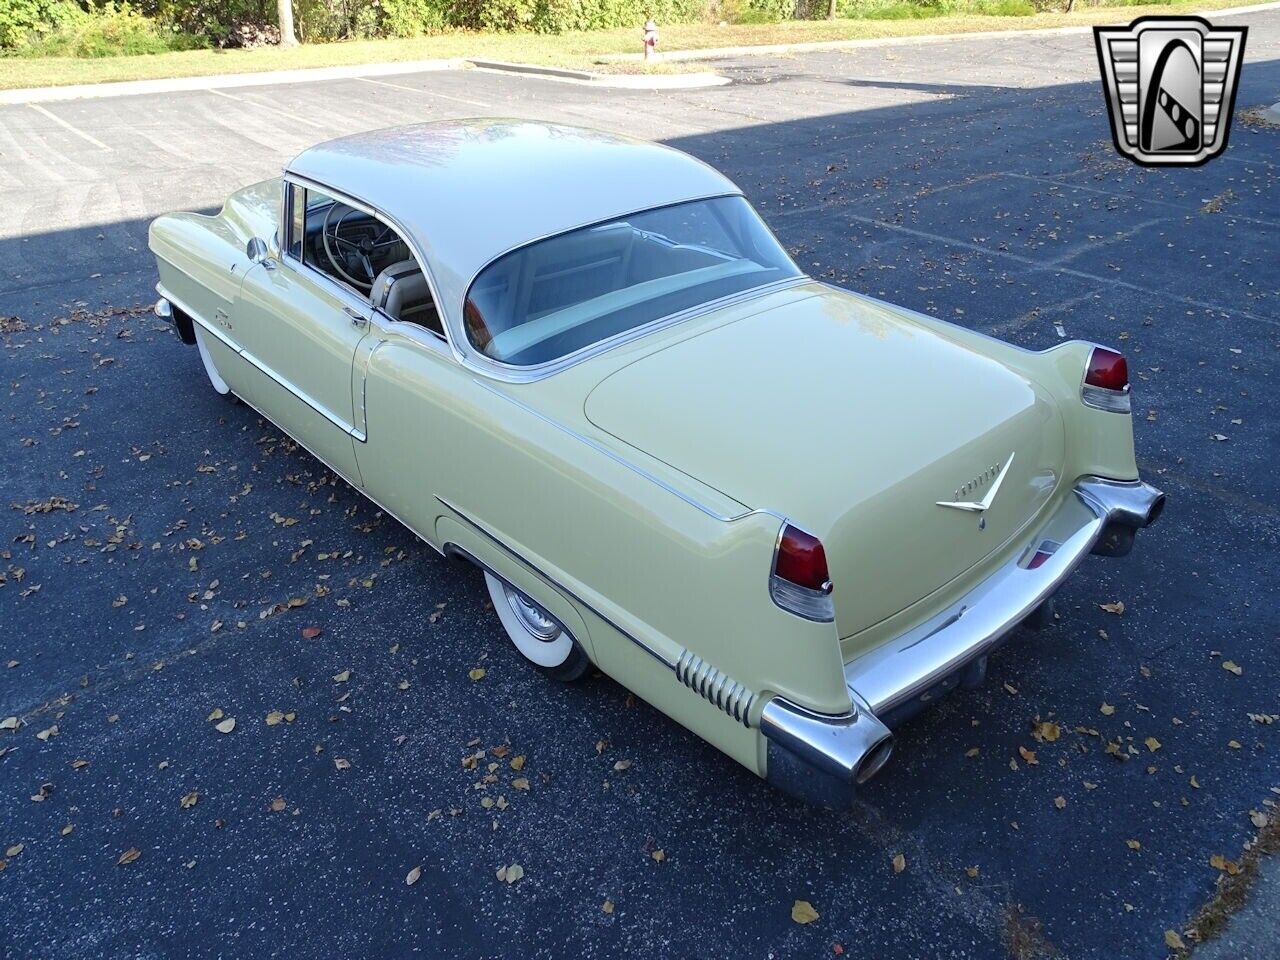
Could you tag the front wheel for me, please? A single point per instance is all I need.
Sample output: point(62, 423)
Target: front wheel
point(539, 637)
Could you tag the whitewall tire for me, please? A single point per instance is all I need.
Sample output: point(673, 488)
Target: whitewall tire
point(215, 378)
point(539, 637)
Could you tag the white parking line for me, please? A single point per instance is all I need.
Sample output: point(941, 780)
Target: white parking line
point(267, 106)
point(66, 126)
point(430, 93)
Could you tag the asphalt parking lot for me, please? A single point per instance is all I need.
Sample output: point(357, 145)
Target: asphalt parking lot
point(163, 552)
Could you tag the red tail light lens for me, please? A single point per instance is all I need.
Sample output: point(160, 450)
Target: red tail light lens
point(1106, 381)
point(800, 582)
point(1107, 369)
point(801, 560)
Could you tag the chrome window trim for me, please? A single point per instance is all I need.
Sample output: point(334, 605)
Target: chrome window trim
point(289, 180)
point(474, 359)
point(508, 373)
point(456, 337)
point(343, 425)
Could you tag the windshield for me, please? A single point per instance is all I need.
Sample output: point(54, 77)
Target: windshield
point(558, 295)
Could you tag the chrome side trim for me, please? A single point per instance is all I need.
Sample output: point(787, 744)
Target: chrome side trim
point(622, 461)
point(717, 688)
point(287, 384)
point(519, 558)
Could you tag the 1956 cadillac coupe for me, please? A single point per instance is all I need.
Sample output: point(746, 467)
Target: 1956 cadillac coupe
point(785, 514)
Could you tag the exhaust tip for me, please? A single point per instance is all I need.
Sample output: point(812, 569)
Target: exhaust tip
point(875, 758)
point(1157, 508)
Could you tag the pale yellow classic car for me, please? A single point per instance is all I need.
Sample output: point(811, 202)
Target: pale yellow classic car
point(785, 514)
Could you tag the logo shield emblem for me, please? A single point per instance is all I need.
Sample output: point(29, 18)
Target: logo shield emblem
point(1171, 87)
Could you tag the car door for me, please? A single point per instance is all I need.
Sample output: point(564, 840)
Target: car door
point(300, 327)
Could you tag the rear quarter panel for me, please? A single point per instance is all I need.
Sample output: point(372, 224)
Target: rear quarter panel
point(629, 556)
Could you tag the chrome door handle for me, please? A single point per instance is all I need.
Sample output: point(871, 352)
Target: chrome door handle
point(357, 318)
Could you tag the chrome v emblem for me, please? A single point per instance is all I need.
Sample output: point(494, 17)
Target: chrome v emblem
point(978, 506)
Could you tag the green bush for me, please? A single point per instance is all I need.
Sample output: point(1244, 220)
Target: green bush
point(1005, 8)
point(26, 21)
point(412, 18)
point(109, 32)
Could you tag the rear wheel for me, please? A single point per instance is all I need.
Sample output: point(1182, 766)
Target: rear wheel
point(540, 638)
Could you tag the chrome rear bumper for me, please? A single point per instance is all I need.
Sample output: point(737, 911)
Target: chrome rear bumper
point(822, 758)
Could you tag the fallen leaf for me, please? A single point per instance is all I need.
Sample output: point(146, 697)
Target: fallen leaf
point(1133, 844)
point(274, 717)
point(476, 673)
point(342, 677)
point(1060, 802)
point(216, 714)
point(802, 912)
point(971, 752)
point(67, 830)
point(899, 863)
point(130, 855)
point(1047, 730)
point(341, 763)
point(1029, 756)
point(1107, 709)
point(520, 783)
point(1117, 607)
point(310, 633)
point(1152, 744)
point(607, 906)
point(188, 800)
point(622, 765)
point(1258, 818)
point(972, 872)
point(659, 856)
point(278, 804)
point(1233, 744)
point(413, 876)
point(45, 734)
point(9, 723)
point(227, 725)
point(1173, 941)
point(517, 762)
point(1233, 667)
point(510, 874)
point(16, 849)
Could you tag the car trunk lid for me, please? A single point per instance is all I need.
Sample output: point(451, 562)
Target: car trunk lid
point(854, 420)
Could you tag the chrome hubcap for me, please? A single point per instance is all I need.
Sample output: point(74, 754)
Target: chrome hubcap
point(532, 617)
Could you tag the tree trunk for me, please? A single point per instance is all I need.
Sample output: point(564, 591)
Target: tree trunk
point(831, 9)
point(284, 12)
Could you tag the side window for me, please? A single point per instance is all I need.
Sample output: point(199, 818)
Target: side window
point(360, 252)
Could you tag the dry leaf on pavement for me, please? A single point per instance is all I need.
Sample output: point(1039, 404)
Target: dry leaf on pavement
point(802, 912)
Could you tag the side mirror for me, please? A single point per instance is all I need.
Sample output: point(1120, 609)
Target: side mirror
point(258, 252)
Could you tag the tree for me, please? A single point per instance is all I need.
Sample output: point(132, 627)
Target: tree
point(284, 11)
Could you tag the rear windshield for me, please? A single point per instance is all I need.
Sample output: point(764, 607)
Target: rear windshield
point(558, 295)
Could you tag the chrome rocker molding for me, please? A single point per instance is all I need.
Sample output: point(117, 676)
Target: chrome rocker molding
point(822, 758)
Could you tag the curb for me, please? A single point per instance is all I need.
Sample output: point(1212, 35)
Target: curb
point(632, 81)
point(127, 88)
point(721, 53)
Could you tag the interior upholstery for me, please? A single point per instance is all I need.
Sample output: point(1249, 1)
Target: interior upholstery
point(402, 293)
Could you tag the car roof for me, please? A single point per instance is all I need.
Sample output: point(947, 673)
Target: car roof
point(467, 191)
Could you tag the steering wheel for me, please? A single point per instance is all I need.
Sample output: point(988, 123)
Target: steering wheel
point(362, 249)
